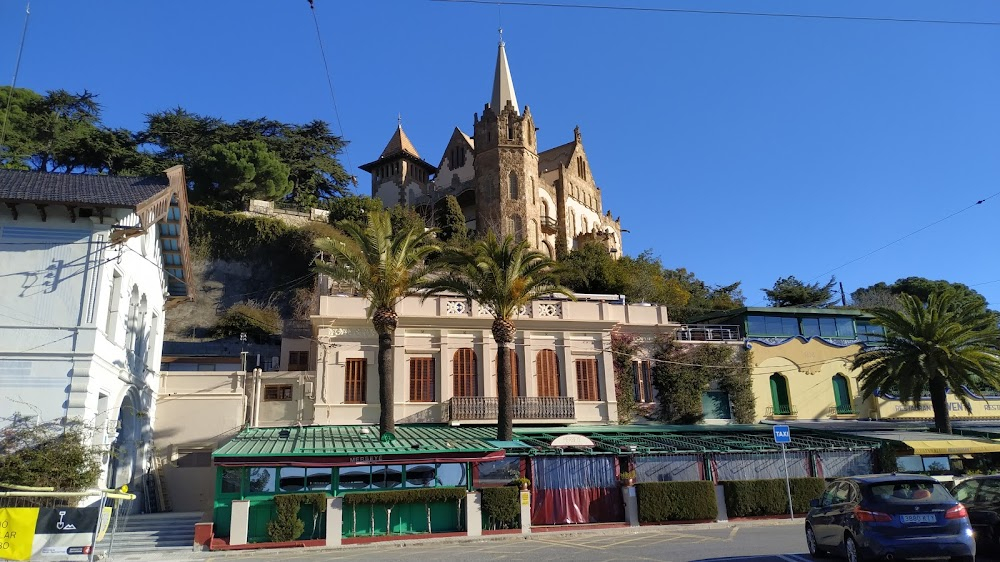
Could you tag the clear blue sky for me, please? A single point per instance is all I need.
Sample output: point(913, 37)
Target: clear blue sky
point(742, 148)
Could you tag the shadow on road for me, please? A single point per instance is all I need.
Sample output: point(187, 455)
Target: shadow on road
point(989, 556)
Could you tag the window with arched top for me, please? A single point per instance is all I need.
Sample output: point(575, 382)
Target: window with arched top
point(547, 373)
point(513, 185)
point(464, 373)
point(781, 403)
point(842, 394)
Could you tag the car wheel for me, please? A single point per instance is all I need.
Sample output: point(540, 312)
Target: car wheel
point(851, 547)
point(814, 549)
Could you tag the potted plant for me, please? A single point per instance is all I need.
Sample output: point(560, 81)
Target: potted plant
point(627, 478)
point(521, 483)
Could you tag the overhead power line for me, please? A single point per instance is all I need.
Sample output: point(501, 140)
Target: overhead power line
point(721, 12)
point(17, 67)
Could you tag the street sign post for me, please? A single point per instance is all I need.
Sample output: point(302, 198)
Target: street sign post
point(782, 435)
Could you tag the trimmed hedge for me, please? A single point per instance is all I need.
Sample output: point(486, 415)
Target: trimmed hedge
point(393, 497)
point(676, 501)
point(752, 498)
point(287, 526)
point(502, 507)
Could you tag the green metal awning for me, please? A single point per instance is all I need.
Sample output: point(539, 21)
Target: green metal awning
point(352, 441)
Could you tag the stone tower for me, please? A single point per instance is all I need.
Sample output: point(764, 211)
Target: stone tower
point(506, 162)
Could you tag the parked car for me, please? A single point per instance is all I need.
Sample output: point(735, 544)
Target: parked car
point(981, 497)
point(888, 517)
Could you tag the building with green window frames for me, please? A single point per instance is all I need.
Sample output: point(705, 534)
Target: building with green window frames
point(802, 360)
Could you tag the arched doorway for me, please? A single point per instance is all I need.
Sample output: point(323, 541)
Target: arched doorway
point(781, 404)
point(125, 466)
point(842, 394)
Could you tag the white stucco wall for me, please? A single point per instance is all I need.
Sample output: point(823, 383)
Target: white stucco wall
point(57, 356)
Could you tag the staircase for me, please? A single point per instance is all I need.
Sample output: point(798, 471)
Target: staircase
point(153, 533)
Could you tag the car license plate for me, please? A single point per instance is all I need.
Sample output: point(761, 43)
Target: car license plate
point(922, 518)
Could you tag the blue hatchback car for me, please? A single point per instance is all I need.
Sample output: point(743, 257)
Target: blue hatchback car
point(889, 517)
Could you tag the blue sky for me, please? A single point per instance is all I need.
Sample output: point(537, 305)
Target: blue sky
point(742, 148)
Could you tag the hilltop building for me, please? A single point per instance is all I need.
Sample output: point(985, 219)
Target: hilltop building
point(90, 263)
point(502, 181)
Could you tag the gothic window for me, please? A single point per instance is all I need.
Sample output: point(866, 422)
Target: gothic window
point(581, 167)
point(510, 130)
point(513, 185)
point(572, 222)
point(534, 193)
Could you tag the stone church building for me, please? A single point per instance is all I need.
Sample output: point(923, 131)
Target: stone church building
point(501, 179)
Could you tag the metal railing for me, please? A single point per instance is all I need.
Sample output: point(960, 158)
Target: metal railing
point(548, 223)
point(843, 410)
point(781, 411)
point(465, 408)
point(708, 332)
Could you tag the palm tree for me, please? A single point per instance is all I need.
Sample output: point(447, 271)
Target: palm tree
point(385, 267)
point(944, 345)
point(502, 276)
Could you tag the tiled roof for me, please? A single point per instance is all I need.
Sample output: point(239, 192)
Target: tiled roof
point(79, 189)
point(554, 157)
point(399, 143)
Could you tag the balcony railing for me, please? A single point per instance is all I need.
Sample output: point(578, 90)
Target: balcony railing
point(781, 411)
point(468, 408)
point(708, 332)
point(843, 410)
point(549, 224)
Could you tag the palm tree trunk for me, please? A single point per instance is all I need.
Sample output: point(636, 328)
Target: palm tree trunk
point(503, 334)
point(939, 402)
point(384, 321)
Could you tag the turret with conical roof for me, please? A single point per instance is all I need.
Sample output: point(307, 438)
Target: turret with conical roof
point(399, 176)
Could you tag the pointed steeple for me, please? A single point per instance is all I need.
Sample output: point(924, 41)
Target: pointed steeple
point(399, 143)
point(503, 84)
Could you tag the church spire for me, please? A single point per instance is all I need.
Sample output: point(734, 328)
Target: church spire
point(503, 84)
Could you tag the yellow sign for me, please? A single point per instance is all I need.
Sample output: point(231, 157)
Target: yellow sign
point(525, 498)
point(17, 532)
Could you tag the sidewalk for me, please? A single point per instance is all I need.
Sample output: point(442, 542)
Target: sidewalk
point(403, 542)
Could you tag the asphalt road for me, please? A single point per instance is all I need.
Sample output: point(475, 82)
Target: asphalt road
point(753, 542)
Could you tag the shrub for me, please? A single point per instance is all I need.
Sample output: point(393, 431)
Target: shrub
point(286, 526)
point(258, 321)
point(47, 454)
point(501, 507)
point(393, 497)
point(752, 498)
point(676, 501)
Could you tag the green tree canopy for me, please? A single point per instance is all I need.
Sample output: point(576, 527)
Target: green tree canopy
point(310, 150)
point(919, 287)
point(451, 222)
point(951, 343)
point(789, 291)
point(354, 208)
point(239, 171)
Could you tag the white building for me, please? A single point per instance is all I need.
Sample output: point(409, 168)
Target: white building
point(87, 264)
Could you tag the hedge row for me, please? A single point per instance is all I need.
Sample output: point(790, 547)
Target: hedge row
point(753, 498)
point(393, 497)
point(501, 507)
point(676, 501)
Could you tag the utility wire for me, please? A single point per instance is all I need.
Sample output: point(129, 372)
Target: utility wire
point(720, 12)
point(333, 95)
point(900, 239)
point(17, 67)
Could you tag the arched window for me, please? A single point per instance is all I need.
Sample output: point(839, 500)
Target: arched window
point(572, 223)
point(513, 185)
point(547, 370)
point(534, 192)
point(781, 404)
point(842, 394)
point(464, 373)
point(545, 210)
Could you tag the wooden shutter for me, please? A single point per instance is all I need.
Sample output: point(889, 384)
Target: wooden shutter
point(464, 373)
point(643, 381)
point(422, 379)
point(586, 380)
point(547, 369)
point(355, 381)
